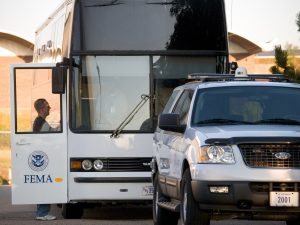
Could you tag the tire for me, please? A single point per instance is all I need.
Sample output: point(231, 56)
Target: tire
point(72, 211)
point(190, 214)
point(162, 216)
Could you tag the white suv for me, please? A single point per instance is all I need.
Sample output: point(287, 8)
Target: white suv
point(228, 147)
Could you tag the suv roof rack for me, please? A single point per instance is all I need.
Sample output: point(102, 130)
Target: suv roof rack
point(205, 77)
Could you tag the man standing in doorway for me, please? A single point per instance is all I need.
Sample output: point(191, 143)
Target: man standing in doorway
point(41, 125)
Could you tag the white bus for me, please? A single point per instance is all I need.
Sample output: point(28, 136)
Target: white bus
point(107, 68)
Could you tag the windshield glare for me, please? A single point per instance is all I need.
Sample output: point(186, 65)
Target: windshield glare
point(248, 105)
point(105, 90)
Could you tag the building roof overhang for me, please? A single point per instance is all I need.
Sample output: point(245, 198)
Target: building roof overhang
point(241, 45)
point(16, 38)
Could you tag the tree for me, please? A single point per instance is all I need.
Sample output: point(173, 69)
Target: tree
point(285, 60)
point(281, 58)
point(284, 63)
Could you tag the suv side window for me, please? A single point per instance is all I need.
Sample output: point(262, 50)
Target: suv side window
point(183, 105)
point(170, 101)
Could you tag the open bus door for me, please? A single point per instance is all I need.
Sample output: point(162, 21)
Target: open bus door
point(39, 159)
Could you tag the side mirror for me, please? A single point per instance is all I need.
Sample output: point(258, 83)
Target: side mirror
point(59, 73)
point(170, 122)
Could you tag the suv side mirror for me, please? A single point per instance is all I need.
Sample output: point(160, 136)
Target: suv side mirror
point(170, 122)
point(58, 79)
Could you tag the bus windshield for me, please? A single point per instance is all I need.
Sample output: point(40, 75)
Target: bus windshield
point(105, 89)
point(125, 50)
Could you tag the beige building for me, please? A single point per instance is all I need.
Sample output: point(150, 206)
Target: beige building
point(251, 56)
point(264, 60)
point(13, 49)
point(243, 52)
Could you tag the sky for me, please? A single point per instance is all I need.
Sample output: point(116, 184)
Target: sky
point(264, 22)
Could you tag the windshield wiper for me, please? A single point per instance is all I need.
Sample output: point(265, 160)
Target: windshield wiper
point(127, 120)
point(222, 121)
point(279, 121)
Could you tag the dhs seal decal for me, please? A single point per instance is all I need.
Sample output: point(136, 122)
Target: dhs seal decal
point(38, 160)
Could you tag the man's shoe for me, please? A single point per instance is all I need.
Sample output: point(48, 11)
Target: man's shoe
point(47, 217)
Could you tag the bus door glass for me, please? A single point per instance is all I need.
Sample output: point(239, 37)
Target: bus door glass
point(38, 141)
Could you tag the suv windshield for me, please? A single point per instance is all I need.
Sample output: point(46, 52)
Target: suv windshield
point(247, 105)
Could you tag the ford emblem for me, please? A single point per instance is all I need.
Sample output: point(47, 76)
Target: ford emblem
point(283, 155)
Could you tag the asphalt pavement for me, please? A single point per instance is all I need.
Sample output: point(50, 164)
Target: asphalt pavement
point(113, 215)
point(25, 214)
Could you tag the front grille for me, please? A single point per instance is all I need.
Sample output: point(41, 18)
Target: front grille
point(118, 164)
point(271, 155)
point(127, 164)
point(274, 186)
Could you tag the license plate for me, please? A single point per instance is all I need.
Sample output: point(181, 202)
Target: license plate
point(284, 199)
point(147, 190)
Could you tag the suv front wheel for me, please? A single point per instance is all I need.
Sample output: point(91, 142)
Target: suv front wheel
point(190, 214)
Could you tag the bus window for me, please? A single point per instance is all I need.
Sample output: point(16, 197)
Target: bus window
point(33, 84)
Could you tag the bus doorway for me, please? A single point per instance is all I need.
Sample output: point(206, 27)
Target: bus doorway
point(39, 155)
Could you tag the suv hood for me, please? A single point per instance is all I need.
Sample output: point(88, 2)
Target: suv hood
point(248, 131)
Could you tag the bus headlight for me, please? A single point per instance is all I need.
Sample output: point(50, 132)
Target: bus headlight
point(216, 154)
point(98, 165)
point(87, 164)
